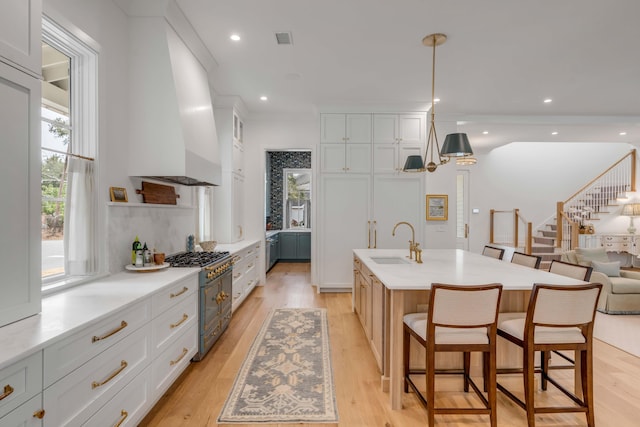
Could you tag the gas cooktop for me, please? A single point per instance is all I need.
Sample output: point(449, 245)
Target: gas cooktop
point(195, 259)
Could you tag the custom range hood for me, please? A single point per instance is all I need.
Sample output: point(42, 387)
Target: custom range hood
point(171, 123)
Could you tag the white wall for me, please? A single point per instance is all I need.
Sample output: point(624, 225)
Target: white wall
point(533, 177)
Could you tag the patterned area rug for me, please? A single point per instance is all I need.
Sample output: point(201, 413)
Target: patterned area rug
point(286, 376)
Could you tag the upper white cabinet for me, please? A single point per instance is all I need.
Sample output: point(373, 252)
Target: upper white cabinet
point(21, 34)
point(396, 136)
point(345, 143)
point(20, 226)
point(228, 198)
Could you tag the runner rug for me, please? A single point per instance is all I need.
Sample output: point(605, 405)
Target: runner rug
point(286, 377)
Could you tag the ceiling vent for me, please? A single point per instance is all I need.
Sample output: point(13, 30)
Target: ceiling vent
point(284, 38)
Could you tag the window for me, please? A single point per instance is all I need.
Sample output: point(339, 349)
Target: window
point(297, 198)
point(69, 146)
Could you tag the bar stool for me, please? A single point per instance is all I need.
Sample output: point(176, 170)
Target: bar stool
point(557, 318)
point(492, 252)
point(459, 319)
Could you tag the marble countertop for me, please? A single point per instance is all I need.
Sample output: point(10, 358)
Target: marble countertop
point(68, 311)
point(232, 248)
point(454, 266)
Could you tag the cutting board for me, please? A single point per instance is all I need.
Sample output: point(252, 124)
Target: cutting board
point(158, 193)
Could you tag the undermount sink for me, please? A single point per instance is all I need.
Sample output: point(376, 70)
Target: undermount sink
point(390, 260)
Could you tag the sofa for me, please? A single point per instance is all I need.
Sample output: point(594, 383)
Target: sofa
point(620, 288)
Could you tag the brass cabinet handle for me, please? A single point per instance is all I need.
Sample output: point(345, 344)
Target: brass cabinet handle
point(249, 266)
point(124, 414)
point(123, 364)
point(375, 234)
point(39, 414)
point(369, 234)
point(184, 353)
point(180, 322)
point(7, 391)
point(184, 289)
point(115, 331)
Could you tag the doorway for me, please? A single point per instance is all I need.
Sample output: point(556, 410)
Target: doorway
point(462, 210)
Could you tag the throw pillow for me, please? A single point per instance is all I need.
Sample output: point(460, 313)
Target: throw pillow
point(587, 255)
point(610, 269)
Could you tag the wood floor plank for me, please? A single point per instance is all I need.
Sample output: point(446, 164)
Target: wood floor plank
point(196, 398)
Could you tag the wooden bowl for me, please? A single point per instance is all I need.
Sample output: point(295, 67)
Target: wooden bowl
point(209, 245)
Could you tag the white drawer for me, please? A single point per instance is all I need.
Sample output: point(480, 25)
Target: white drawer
point(26, 415)
point(127, 407)
point(173, 295)
point(620, 247)
point(174, 322)
point(617, 239)
point(170, 363)
point(66, 355)
point(80, 394)
point(20, 382)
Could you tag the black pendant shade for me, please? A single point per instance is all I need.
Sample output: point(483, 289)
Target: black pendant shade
point(413, 164)
point(456, 145)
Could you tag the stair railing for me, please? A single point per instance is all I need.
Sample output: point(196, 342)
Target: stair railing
point(583, 206)
point(510, 233)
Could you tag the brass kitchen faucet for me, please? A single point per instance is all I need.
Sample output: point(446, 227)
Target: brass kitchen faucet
point(413, 246)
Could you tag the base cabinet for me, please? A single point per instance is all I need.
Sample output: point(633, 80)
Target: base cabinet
point(246, 273)
point(369, 303)
point(28, 414)
point(295, 246)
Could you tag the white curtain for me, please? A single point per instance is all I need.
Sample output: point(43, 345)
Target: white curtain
point(79, 223)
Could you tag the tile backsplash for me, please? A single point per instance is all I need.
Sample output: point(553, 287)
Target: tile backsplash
point(279, 160)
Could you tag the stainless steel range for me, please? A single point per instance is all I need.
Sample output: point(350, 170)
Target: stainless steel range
point(215, 293)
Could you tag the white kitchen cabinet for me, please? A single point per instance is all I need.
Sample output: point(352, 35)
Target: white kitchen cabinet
point(246, 272)
point(20, 382)
point(345, 128)
point(129, 406)
point(20, 227)
point(395, 137)
point(359, 210)
point(344, 202)
point(21, 35)
point(77, 396)
point(345, 143)
point(228, 198)
point(29, 414)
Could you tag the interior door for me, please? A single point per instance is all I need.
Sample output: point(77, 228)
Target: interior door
point(462, 210)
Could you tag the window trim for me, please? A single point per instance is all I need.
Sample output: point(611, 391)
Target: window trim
point(84, 121)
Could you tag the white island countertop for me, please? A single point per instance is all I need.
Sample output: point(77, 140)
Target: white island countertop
point(70, 310)
point(454, 266)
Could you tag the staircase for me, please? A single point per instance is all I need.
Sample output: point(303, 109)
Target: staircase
point(544, 245)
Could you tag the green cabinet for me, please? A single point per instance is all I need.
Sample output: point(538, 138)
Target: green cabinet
point(295, 246)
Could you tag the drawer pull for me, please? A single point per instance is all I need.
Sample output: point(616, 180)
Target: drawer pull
point(7, 391)
point(249, 266)
point(39, 414)
point(180, 322)
point(184, 353)
point(235, 276)
point(123, 416)
point(115, 331)
point(123, 364)
point(184, 289)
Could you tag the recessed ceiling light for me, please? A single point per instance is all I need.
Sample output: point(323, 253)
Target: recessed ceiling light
point(234, 37)
point(486, 132)
point(554, 133)
point(547, 101)
point(263, 98)
point(623, 133)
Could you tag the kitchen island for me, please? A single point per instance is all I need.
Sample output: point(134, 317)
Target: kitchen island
point(387, 285)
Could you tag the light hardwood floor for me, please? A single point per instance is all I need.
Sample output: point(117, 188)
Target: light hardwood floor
point(197, 397)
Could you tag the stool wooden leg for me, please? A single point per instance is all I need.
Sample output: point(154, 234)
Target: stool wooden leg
point(406, 349)
point(529, 385)
point(490, 384)
point(431, 389)
point(467, 368)
point(586, 373)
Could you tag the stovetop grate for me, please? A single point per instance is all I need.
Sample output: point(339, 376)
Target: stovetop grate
point(195, 259)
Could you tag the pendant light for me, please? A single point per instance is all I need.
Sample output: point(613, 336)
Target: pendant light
point(455, 144)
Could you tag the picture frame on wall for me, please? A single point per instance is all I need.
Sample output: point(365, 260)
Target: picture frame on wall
point(118, 194)
point(437, 207)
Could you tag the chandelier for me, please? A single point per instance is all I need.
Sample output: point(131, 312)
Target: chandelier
point(455, 144)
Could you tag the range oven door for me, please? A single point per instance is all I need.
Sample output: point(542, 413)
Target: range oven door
point(215, 310)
